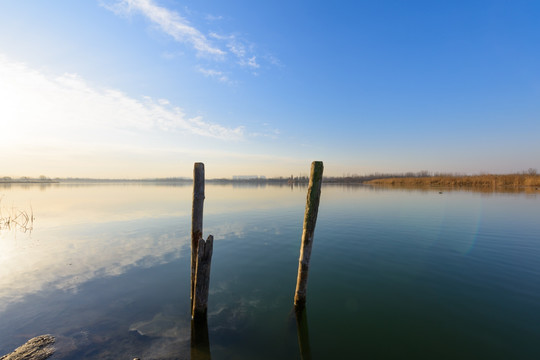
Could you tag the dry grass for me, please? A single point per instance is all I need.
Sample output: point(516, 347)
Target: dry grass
point(483, 181)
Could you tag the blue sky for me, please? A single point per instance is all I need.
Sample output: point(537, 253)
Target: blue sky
point(144, 88)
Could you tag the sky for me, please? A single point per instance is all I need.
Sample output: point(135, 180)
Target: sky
point(145, 88)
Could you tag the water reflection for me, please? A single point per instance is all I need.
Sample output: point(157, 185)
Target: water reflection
point(30, 265)
point(26, 186)
point(303, 334)
point(475, 189)
point(200, 343)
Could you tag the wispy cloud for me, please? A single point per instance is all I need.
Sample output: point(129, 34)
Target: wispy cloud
point(216, 74)
point(226, 49)
point(241, 49)
point(169, 22)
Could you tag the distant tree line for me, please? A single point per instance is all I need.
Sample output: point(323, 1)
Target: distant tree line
point(27, 180)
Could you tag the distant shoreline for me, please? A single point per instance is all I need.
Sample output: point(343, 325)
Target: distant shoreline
point(408, 180)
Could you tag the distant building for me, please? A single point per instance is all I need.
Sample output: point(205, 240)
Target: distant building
point(246, 177)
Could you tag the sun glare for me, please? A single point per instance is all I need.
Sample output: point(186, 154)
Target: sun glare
point(11, 94)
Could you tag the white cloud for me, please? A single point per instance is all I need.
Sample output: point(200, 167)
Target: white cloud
point(252, 62)
point(210, 17)
point(243, 52)
point(218, 36)
point(36, 106)
point(216, 74)
point(169, 22)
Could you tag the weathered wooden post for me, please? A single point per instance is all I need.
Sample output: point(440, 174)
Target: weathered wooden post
point(202, 278)
point(310, 218)
point(196, 219)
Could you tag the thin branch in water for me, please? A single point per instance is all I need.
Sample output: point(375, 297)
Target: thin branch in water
point(17, 219)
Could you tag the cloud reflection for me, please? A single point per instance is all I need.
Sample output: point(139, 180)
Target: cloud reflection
point(65, 262)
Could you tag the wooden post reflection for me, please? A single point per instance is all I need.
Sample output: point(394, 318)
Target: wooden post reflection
point(303, 334)
point(200, 342)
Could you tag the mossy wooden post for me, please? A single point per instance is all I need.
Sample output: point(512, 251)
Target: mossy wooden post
point(310, 218)
point(196, 219)
point(202, 278)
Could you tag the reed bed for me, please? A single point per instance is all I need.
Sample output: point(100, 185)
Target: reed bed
point(484, 181)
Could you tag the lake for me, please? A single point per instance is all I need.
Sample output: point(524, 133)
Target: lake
point(394, 273)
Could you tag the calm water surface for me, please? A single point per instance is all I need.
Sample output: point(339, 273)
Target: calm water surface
point(394, 273)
